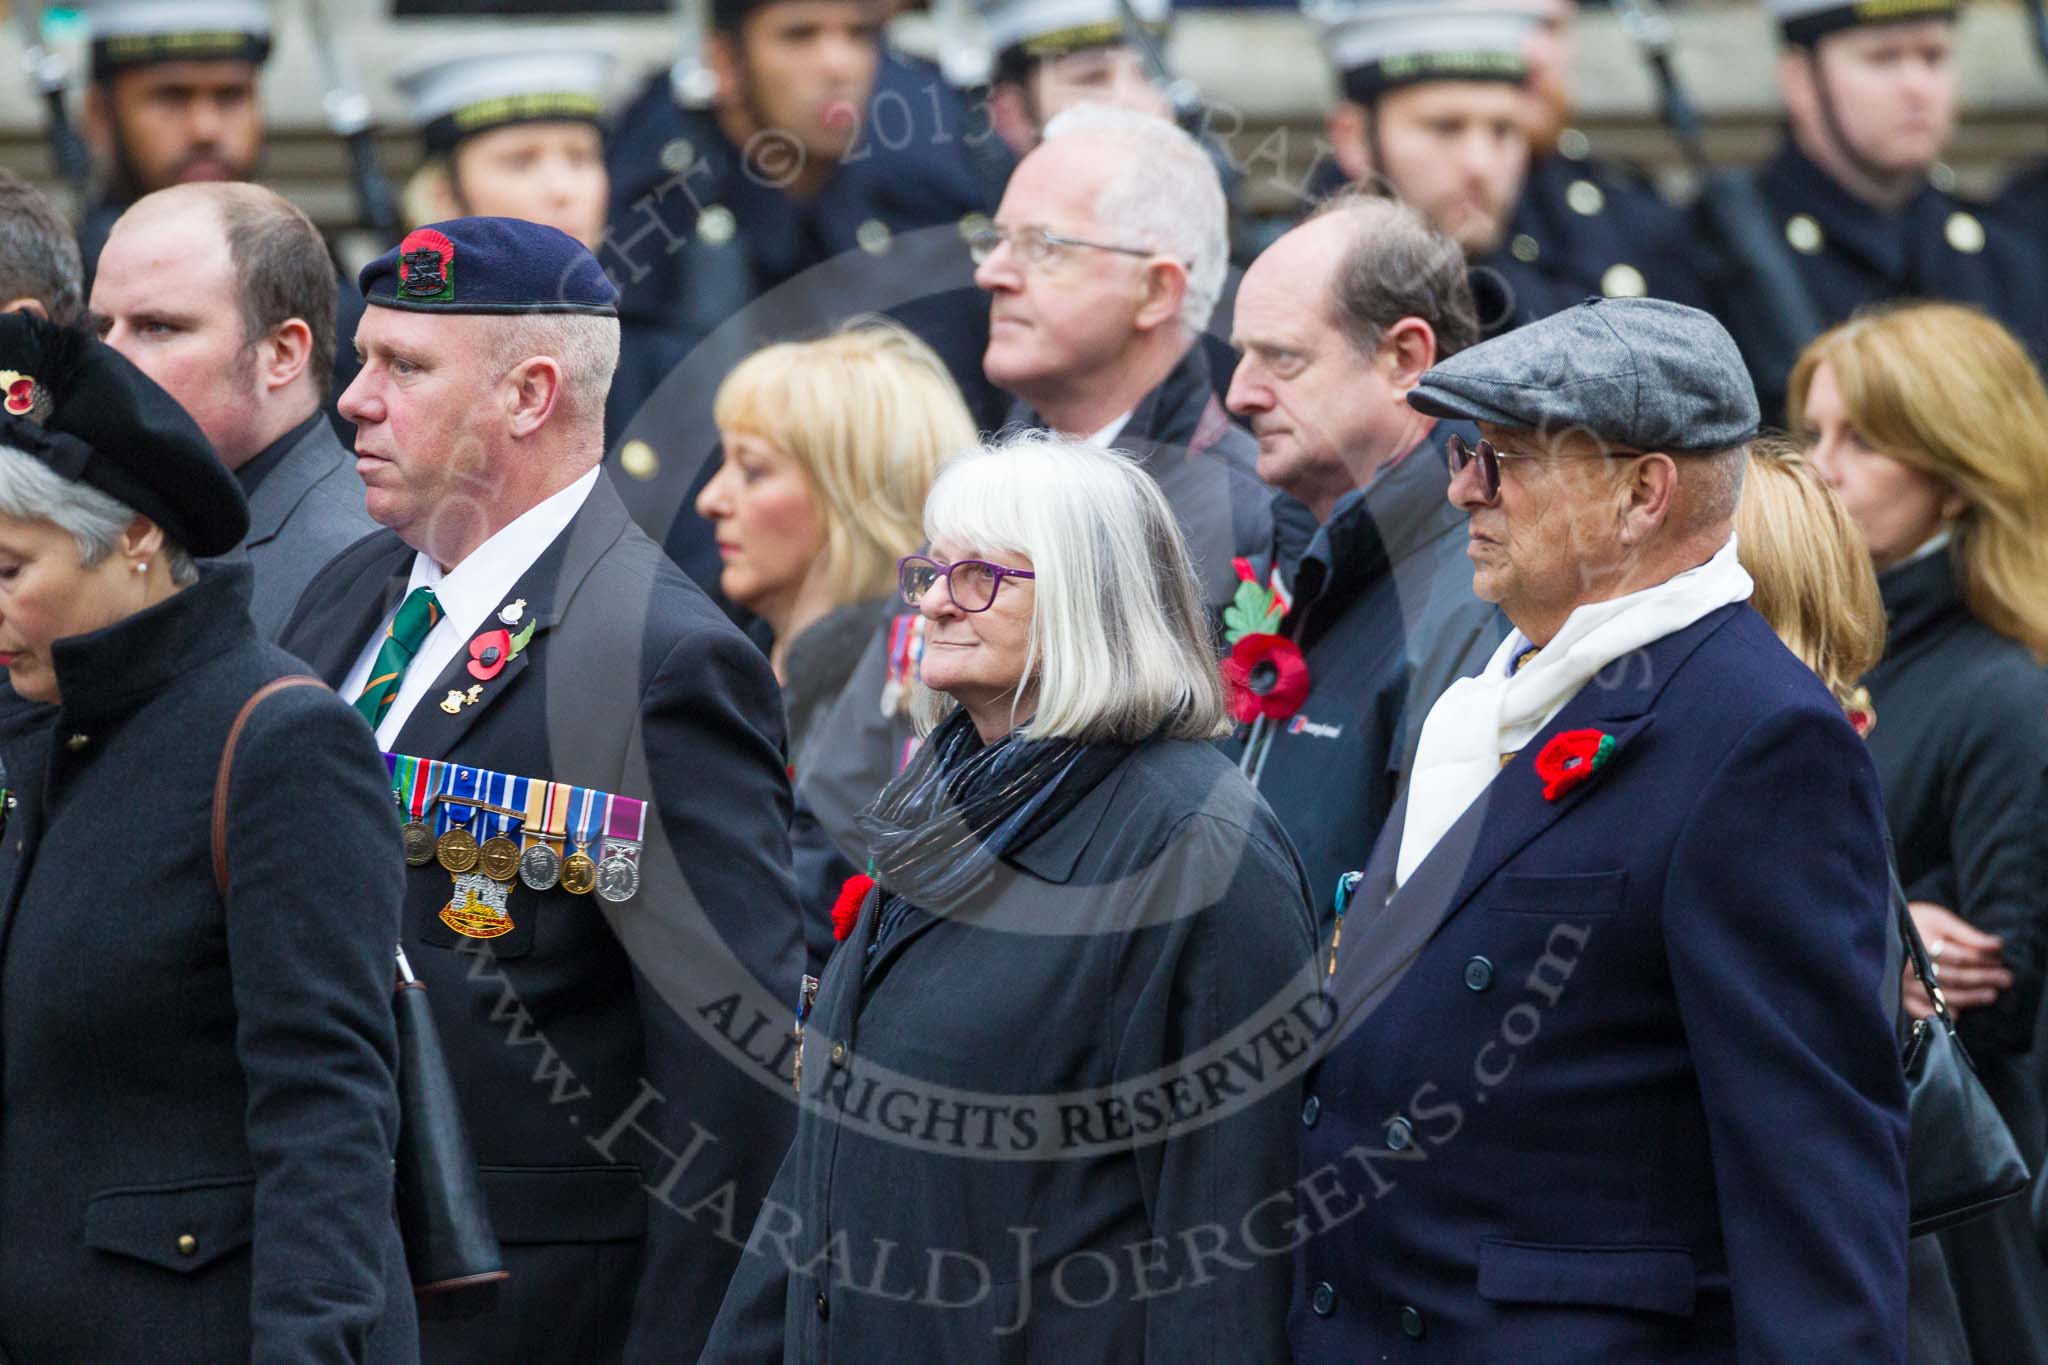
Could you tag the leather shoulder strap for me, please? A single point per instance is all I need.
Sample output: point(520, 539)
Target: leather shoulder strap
point(227, 767)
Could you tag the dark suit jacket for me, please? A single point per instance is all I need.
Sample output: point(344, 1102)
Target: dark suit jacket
point(1613, 1081)
point(622, 1068)
point(305, 512)
point(197, 1100)
point(1046, 1048)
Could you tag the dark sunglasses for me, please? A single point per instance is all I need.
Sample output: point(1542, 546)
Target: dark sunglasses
point(970, 583)
point(1461, 454)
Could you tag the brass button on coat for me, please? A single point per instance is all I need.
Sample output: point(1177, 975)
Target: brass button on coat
point(839, 1054)
point(188, 1245)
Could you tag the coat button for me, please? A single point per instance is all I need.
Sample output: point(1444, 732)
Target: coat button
point(838, 1059)
point(824, 1308)
point(188, 1245)
point(76, 742)
point(1311, 1110)
point(1478, 974)
point(1399, 1135)
point(1323, 1299)
point(1411, 1324)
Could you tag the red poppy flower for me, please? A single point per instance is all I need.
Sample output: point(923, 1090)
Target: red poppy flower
point(21, 396)
point(1570, 758)
point(1266, 676)
point(846, 910)
point(488, 653)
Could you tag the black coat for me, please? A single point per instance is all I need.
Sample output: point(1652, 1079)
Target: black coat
point(1386, 620)
point(609, 1076)
point(1961, 747)
point(199, 1108)
point(1035, 1071)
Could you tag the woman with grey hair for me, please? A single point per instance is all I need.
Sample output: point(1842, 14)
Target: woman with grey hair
point(1051, 1079)
point(198, 1108)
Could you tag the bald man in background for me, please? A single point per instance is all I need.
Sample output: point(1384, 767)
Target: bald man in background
point(224, 295)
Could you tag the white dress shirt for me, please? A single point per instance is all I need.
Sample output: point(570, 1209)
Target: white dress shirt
point(470, 594)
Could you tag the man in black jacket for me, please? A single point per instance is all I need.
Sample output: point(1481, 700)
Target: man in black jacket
point(622, 1061)
point(1367, 574)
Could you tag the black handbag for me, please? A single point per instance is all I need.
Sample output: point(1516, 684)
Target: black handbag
point(1961, 1160)
point(442, 1217)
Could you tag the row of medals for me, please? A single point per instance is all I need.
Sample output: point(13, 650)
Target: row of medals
point(539, 867)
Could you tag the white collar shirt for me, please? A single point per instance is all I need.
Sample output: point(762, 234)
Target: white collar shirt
point(470, 594)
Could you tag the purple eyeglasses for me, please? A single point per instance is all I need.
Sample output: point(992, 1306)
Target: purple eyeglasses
point(971, 583)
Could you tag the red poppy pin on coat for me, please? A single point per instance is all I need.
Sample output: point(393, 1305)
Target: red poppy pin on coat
point(492, 650)
point(1570, 758)
point(846, 909)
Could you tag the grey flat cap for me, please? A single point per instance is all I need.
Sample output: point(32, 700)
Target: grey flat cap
point(1641, 374)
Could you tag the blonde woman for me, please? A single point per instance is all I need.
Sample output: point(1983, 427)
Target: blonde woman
point(1815, 586)
point(830, 448)
point(1932, 425)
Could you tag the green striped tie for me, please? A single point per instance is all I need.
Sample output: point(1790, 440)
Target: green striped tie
point(416, 616)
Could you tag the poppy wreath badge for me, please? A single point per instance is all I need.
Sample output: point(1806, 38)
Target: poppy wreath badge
point(1570, 758)
point(1264, 672)
point(426, 267)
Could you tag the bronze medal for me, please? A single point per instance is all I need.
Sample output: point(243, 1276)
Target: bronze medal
point(499, 858)
point(579, 874)
point(540, 867)
point(419, 844)
point(456, 850)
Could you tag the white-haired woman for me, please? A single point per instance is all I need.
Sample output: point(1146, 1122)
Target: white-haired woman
point(1051, 1078)
point(197, 1099)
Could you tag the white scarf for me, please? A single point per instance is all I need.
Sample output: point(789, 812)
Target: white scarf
point(1480, 718)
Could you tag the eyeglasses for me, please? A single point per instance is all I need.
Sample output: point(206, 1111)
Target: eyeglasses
point(970, 583)
point(1459, 454)
point(1036, 245)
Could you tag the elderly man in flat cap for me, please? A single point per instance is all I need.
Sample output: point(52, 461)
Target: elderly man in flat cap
point(1626, 1089)
point(614, 985)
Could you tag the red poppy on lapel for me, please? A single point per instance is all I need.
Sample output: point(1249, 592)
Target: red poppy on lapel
point(1570, 758)
point(846, 910)
point(488, 653)
point(1266, 676)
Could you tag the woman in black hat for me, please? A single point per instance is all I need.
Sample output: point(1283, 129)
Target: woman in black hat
point(197, 1102)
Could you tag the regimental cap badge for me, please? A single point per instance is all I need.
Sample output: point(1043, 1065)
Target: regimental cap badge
point(22, 396)
point(426, 267)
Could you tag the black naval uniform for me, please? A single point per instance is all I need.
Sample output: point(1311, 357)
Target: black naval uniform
point(713, 261)
point(1584, 227)
point(1850, 255)
point(608, 1077)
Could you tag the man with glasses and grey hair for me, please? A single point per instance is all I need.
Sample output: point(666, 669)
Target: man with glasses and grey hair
point(1104, 262)
point(1617, 978)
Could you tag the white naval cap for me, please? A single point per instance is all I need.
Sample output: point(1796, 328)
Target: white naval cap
point(1379, 44)
point(127, 33)
point(522, 75)
point(1048, 28)
point(1808, 21)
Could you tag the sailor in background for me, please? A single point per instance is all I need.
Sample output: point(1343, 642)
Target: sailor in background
point(1861, 199)
point(747, 208)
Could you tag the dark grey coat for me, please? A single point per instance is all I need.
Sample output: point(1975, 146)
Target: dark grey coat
point(623, 1068)
point(172, 1068)
point(304, 513)
point(1010, 1109)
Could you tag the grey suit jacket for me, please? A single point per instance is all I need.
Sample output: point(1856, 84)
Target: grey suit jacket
point(304, 513)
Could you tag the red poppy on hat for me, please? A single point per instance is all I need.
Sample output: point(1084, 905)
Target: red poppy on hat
point(1570, 758)
point(846, 910)
point(1266, 676)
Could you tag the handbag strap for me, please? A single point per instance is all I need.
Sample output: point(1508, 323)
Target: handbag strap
point(227, 767)
point(1916, 951)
